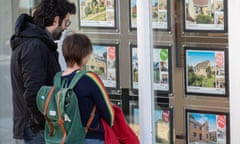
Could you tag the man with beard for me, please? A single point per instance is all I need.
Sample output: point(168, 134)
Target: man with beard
point(34, 62)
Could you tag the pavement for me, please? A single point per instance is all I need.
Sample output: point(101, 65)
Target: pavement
point(6, 131)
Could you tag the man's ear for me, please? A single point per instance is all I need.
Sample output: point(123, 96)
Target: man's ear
point(56, 21)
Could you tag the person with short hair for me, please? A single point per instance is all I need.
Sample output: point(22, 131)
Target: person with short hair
point(90, 90)
point(34, 62)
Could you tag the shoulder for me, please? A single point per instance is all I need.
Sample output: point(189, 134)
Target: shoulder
point(36, 47)
point(90, 80)
point(36, 43)
point(94, 77)
point(91, 75)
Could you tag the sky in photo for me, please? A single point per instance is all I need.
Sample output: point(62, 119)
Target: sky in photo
point(157, 115)
point(99, 50)
point(196, 56)
point(202, 118)
point(133, 3)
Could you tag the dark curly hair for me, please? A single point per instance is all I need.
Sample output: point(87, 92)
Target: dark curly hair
point(46, 10)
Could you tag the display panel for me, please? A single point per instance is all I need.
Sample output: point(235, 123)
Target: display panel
point(205, 15)
point(104, 62)
point(97, 13)
point(206, 71)
point(163, 122)
point(161, 68)
point(207, 127)
point(160, 16)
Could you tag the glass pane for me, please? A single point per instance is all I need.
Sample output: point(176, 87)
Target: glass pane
point(162, 70)
point(9, 12)
point(180, 80)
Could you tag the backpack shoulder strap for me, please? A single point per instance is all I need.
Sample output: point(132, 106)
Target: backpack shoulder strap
point(76, 78)
point(57, 79)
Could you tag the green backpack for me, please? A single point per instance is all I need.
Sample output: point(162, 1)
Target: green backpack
point(59, 105)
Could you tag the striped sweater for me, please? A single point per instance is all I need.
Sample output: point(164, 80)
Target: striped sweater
point(90, 91)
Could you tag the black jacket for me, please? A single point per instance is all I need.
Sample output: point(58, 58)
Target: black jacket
point(34, 62)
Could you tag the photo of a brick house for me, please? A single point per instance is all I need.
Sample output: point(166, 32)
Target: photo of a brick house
point(200, 132)
point(204, 128)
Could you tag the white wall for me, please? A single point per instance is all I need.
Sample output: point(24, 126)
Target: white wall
point(234, 69)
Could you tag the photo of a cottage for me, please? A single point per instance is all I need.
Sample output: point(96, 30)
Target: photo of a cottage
point(100, 63)
point(202, 75)
point(202, 71)
point(199, 11)
point(98, 12)
point(204, 14)
point(162, 126)
point(97, 64)
point(93, 9)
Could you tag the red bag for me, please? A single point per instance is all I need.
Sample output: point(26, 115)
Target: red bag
point(120, 133)
point(109, 135)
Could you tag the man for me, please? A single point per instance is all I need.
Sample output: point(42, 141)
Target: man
point(34, 62)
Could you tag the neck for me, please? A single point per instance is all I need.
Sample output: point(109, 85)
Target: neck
point(69, 70)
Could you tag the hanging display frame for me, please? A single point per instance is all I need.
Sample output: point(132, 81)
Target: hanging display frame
point(208, 126)
point(206, 71)
point(205, 16)
point(161, 15)
point(100, 15)
point(104, 61)
point(162, 68)
point(163, 123)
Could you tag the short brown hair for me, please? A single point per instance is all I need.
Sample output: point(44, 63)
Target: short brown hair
point(76, 47)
